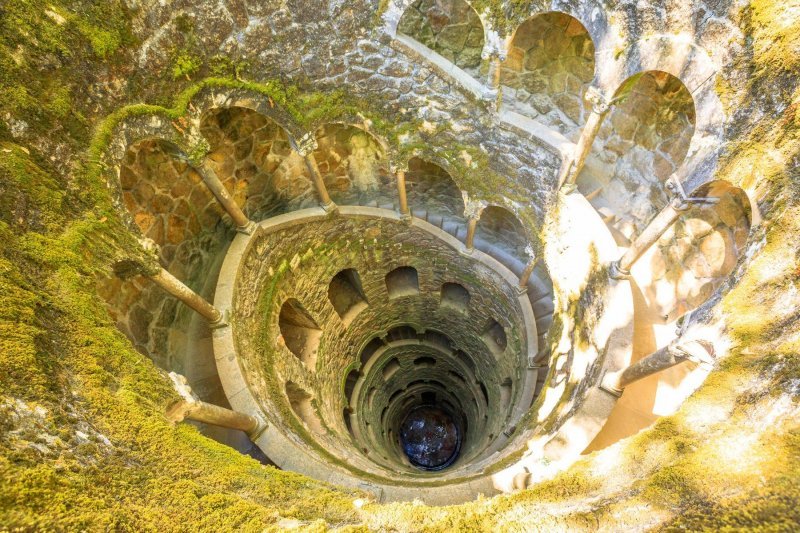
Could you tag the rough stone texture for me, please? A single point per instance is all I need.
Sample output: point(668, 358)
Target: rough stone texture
point(642, 141)
point(550, 64)
point(308, 257)
point(449, 27)
point(173, 207)
point(500, 227)
point(695, 255)
point(431, 189)
point(252, 157)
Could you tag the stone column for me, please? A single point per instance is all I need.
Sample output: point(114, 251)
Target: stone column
point(305, 146)
point(493, 90)
point(176, 288)
point(191, 407)
point(701, 352)
point(400, 173)
point(472, 225)
point(243, 224)
point(573, 166)
point(525, 277)
point(472, 210)
point(663, 220)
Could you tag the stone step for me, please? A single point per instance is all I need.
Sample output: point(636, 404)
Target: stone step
point(436, 220)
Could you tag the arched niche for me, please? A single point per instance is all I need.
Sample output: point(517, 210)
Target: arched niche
point(346, 295)
point(494, 336)
point(354, 166)
point(456, 297)
point(252, 157)
point(166, 196)
point(451, 28)
point(300, 332)
point(169, 203)
point(500, 228)
point(550, 64)
point(431, 190)
point(301, 403)
point(402, 281)
point(643, 140)
point(696, 254)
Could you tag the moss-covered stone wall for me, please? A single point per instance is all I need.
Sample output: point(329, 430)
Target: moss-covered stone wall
point(70, 380)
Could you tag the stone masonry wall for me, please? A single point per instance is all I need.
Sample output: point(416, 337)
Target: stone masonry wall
point(643, 140)
point(449, 27)
point(550, 64)
point(694, 256)
point(310, 255)
point(252, 157)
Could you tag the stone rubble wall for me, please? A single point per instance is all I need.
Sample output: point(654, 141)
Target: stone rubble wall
point(643, 140)
point(450, 28)
point(550, 65)
point(309, 256)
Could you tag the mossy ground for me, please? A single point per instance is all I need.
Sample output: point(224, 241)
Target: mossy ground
point(83, 443)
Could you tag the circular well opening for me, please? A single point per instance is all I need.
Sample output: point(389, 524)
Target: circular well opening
point(430, 438)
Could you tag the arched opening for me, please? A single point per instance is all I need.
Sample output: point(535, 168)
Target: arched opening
point(369, 350)
point(438, 339)
point(402, 281)
point(456, 297)
point(499, 228)
point(300, 332)
point(346, 295)
point(350, 384)
point(165, 196)
point(550, 64)
point(391, 369)
point(425, 362)
point(682, 270)
point(432, 193)
point(252, 157)
point(401, 333)
point(506, 390)
point(301, 404)
point(354, 167)
point(168, 201)
point(451, 28)
point(643, 140)
point(494, 335)
point(696, 254)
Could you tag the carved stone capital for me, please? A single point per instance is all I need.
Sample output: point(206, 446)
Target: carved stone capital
point(600, 104)
point(145, 263)
point(395, 167)
point(304, 145)
point(473, 208)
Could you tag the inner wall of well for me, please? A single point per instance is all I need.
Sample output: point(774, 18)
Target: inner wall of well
point(340, 371)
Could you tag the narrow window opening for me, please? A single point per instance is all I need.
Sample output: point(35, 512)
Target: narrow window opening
point(300, 332)
point(456, 297)
point(390, 369)
point(300, 402)
point(346, 295)
point(403, 281)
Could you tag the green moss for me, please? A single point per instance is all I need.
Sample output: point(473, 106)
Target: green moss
point(185, 66)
